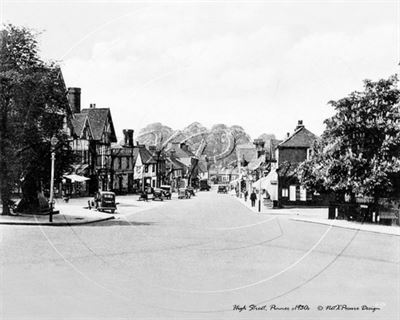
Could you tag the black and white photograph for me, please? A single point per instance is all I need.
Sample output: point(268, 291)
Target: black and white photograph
point(199, 159)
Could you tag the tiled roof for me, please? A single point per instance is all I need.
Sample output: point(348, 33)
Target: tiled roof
point(176, 163)
point(179, 152)
point(78, 123)
point(97, 121)
point(145, 155)
point(301, 138)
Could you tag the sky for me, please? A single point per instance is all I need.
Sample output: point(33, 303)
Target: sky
point(262, 65)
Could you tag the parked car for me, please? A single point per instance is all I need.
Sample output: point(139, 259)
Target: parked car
point(161, 194)
point(191, 191)
point(204, 185)
point(167, 191)
point(184, 194)
point(105, 201)
point(222, 189)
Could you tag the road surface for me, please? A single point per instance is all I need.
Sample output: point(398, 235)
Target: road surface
point(208, 257)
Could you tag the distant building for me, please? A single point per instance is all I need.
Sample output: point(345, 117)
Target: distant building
point(145, 174)
point(122, 164)
point(176, 171)
point(179, 154)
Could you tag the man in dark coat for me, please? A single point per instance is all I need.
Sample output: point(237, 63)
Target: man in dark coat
point(253, 198)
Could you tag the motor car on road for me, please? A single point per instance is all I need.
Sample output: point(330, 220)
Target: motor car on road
point(105, 201)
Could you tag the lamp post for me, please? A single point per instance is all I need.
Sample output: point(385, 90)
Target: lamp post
point(240, 173)
point(259, 194)
point(53, 142)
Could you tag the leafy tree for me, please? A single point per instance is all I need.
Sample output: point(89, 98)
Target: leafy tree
point(359, 152)
point(33, 106)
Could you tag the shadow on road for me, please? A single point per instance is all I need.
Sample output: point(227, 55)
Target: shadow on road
point(115, 222)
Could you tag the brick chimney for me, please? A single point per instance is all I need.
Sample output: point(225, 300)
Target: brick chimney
point(299, 125)
point(92, 105)
point(128, 137)
point(74, 99)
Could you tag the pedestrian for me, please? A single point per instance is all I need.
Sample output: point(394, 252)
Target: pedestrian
point(253, 198)
point(246, 194)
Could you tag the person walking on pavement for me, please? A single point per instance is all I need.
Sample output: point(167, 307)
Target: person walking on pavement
point(246, 194)
point(253, 198)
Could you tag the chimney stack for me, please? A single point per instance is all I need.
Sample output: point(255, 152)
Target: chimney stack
point(128, 137)
point(74, 99)
point(92, 105)
point(299, 125)
point(287, 134)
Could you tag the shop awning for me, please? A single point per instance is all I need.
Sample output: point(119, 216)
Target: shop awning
point(76, 178)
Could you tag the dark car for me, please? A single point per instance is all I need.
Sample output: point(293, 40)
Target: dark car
point(191, 191)
point(167, 191)
point(105, 201)
point(184, 193)
point(222, 189)
point(204, 185)
point(161, 194)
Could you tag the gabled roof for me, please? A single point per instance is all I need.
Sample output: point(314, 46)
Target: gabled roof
point(301, 138)
point(97, 120)
point(63, 87)
point(179, 152)
point(176, 163)
point(145, 155)
point(78, 123)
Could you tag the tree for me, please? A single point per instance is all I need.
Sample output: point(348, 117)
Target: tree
point(359, 152)
point(33, 106)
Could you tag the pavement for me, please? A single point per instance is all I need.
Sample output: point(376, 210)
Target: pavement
point(76, 212)
point(199, 258)
point(320, 216)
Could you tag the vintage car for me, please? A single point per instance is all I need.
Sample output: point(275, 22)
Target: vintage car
point(222, 189)
point(191, 191)
point(161, 194)
point(105, 201)
point(204, 185)
point(184, 194)
point(167, 191)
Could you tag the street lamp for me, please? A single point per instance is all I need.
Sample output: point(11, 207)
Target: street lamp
point(53, 142)
point(259, 194)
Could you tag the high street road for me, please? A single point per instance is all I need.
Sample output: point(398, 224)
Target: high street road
point(208, 257)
